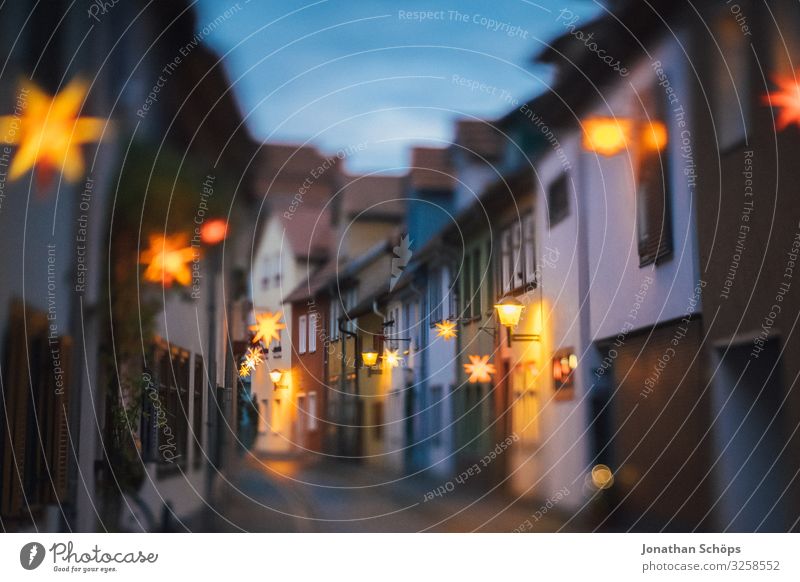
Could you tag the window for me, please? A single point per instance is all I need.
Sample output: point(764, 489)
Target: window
point(302, 330)
point(437, 421)
point(471, 275)
point(173, 398)
point(517, 268)
point(312, 332)
point(435, 313)
point(731, 95)
point(335, 314)
point(529, 249)
point(197, 414)
point(558, 200)
point(653, 222)
point(34, 412)
point(312, 411)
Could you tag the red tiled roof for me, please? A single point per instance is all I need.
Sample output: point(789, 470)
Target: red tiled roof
point(431, 169)
point(380, 195)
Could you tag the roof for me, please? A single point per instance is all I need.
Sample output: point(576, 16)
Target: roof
point(366, 196)
point(308, 231)
point(334, 272)
point(480, 137)
point(431, 169)
point(625, 32)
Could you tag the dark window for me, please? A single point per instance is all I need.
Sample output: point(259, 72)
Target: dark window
point(173, 399)
point(435, 297)
point(377, 421)
point(653, 221)
point(516, 268)
point(558, 200)
point(34, 412)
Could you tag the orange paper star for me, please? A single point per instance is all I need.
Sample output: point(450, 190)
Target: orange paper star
point(787, 98)
point(267, 327)
point(479, 369)
point(446, 329)
point(48, 131)
point(168, 259)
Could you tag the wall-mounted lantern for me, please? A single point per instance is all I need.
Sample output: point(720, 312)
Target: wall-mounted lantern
point(509, 310)
point(369, 359)
point(278, 378)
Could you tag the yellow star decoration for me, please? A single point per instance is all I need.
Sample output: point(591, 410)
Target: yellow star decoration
point(49, 132)
point(391, 358)
point(787, 98)
point(168, 259)
point(479, 369)
point(446, 330)
point(267, 327)
point(253, 357)
point(244, 371)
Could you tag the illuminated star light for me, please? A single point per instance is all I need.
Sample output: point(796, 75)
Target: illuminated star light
point(391, 358)
point(479, 369)
point(168, 259)
point(446, 329)
point(49, 133)
point(787, 98)
point(253, 357)
point(244, 371)
point(267, 327)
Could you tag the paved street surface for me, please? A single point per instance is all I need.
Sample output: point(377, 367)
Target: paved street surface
point(293, 494)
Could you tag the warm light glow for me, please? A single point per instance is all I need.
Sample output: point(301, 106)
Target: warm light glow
point(244, 371)
point(276, 375)
point(602, 477)
point(787, 99)
point(253, 357)
point(479, 369)
point(509, 310)
point(214, 231)
point(573, 361)
point(654, 136)
point(267, 327)
point(369, 358)
point(446, 329)
point(606, 135)
point(168, 260)
point(48, 131)
point(391, 358)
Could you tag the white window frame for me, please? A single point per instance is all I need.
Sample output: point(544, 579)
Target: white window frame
point(311, 402)
point(302, 330)
point(312, 333)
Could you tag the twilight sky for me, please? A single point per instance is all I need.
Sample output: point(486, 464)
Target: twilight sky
point(368, 76)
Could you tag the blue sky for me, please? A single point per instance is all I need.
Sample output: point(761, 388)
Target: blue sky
point(361, 75)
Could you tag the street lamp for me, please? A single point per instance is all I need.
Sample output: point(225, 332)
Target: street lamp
point(369, 358)
point(509, 310)
point(276, 375)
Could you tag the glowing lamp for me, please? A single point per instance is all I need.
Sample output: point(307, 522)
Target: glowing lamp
point(509, 309)
point(479, 369)
point(267, 327)
point(48, 133)
point(787, 99)
point(369, 358)
point(276, 376)
point(244, 370)
point(391, 358)
point(602, 477)
point(654, 136)
point(168, 260)
point(214, 231)
point(606, 135)
point(446, 330)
